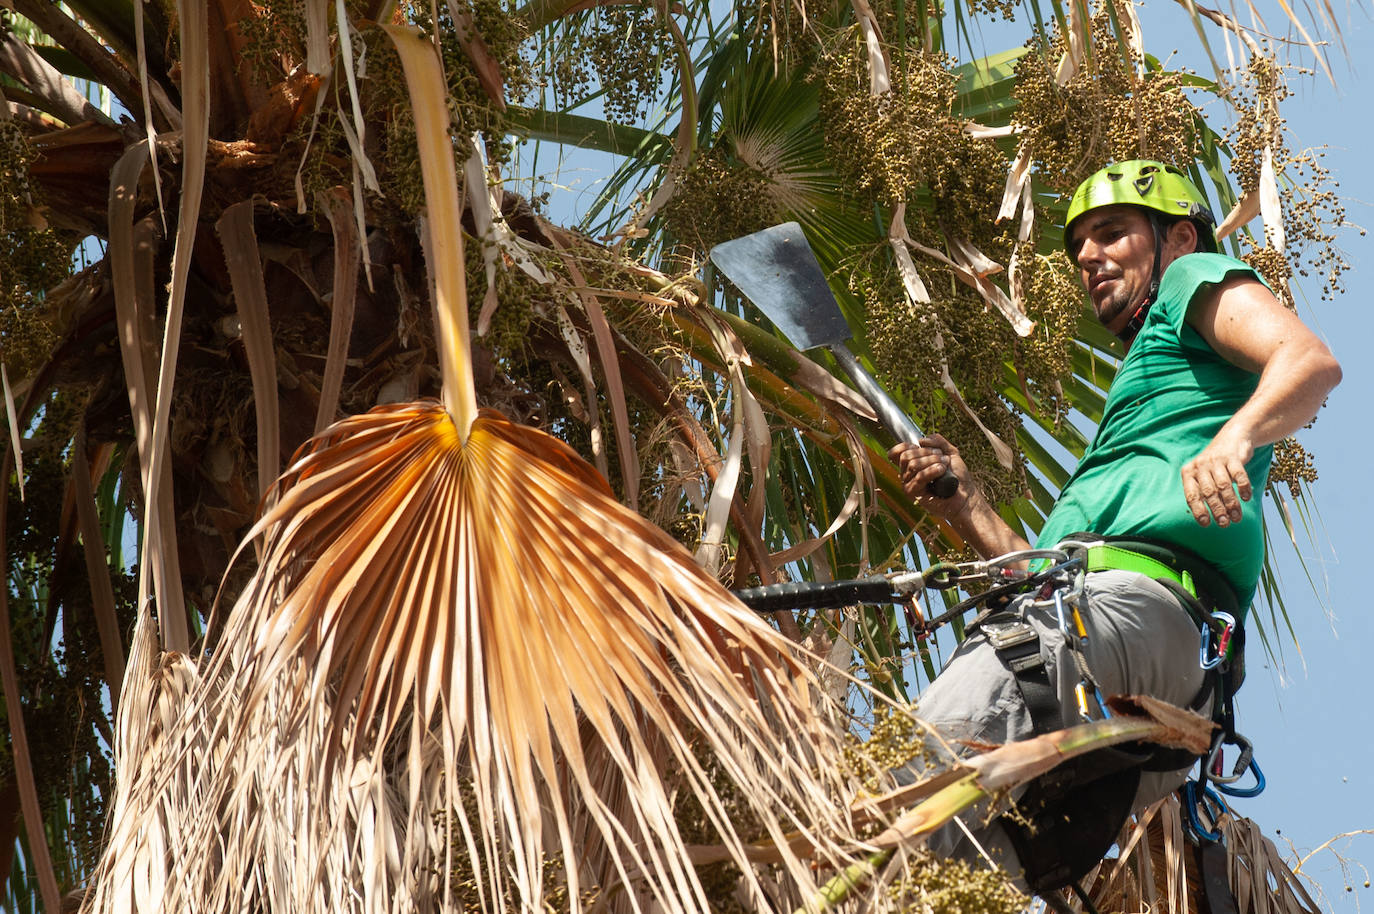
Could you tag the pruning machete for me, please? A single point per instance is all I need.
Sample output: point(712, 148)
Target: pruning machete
point(777, 270)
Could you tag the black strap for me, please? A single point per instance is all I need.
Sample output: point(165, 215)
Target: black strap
point(1214, 865)
point(1083, 897)
point(1018, 647)
point(823, 595)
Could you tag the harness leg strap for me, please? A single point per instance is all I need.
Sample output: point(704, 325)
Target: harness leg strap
point(1018, 646)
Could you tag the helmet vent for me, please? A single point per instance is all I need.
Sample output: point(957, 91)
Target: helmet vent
point(1144, 183)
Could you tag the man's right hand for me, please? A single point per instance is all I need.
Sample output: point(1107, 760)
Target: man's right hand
point(926, 461)
point(966, 511)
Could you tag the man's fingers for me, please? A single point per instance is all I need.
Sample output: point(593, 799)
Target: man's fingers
point(1224, 504)
point(1242, 480)
point(1198, 506)
point(1201, 493)
point(1215, 489)
point(919, 472)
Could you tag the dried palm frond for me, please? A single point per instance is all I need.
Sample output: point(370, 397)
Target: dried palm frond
point(149, 809)
point(462, 667)
point(468, 655)
point(1160, 869)
point(1262, 880)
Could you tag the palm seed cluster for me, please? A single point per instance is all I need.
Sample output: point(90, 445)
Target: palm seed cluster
point(1054, 300)
point(33, 258)
point(906, 146)
point(1312, 210)
point(1292, 465)
point(719, 197)
point(903, 343)
point(1107, 112)
point(887, 146)
point(938, 885)
point(1274, 267)
point(894, 740)
point(621, 50)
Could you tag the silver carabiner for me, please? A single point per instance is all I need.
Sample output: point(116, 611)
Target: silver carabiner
point(1059, 611)
point(1025, 555)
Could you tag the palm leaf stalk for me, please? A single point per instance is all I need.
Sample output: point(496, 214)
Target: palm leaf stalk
point(997, 772)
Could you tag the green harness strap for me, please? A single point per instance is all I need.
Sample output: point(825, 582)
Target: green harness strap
point(1106, 557)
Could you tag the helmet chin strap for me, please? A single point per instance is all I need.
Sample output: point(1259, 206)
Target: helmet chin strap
point(1127, 334)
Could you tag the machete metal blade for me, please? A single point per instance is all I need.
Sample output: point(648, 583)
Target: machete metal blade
point(777, 270)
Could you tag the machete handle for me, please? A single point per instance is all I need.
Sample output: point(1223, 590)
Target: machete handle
point(892, 415)
point(945, 486)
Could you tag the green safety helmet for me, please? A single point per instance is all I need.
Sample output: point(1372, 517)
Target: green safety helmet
point(1142, 182)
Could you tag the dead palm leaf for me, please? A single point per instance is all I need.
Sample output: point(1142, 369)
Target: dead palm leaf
point(477, 621)
point(1160, 868)
point(149, 807)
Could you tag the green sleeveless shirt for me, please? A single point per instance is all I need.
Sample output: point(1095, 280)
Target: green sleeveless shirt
point(1171, 395)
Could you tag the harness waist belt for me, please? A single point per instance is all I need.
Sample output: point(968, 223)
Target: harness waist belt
point(1106, 557)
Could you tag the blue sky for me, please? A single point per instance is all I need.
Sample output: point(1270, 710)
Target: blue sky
point(1312, 725)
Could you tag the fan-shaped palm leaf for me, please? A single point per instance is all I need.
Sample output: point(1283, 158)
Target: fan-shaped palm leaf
point(478, 621)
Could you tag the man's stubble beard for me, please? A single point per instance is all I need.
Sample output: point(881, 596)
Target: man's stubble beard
point(1117, 303)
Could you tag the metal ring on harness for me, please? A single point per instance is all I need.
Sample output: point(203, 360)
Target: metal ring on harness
point(1026, 555)
point(943, 576)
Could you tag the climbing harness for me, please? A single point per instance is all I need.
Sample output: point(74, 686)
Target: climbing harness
point(1067, 819)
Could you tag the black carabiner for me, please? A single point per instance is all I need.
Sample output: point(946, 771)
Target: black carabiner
point(1213, 767)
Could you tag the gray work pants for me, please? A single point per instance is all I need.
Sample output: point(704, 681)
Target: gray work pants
point(1140, 642)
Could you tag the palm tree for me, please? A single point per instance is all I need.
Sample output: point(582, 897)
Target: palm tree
point(263, 164)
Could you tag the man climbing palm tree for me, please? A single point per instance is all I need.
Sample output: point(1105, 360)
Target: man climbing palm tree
point(1216, 371)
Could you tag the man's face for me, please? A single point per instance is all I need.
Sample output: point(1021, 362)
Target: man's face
point(1115, 250)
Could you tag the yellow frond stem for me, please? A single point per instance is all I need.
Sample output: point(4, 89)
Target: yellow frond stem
point(429, 96)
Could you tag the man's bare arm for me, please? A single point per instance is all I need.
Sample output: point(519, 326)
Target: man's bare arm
point(967, 511)
point(1249, 328)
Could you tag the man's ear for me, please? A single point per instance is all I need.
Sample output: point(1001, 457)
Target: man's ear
point(1182, 238)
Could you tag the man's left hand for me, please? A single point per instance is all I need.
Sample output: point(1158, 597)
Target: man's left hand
point(1213, 479)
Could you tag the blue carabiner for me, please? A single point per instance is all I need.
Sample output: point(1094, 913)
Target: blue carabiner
point(1205, 658)
point(1246, 791)
point(1214, 808)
